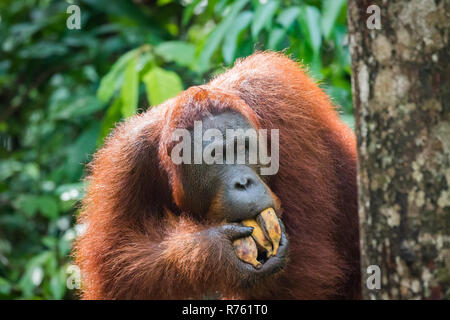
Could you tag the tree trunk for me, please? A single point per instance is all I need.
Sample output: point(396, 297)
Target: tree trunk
point(401, 96)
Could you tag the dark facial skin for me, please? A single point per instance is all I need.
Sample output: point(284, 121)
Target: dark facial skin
point(231, 193)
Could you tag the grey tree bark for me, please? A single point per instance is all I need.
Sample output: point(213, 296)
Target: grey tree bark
point(401, 95)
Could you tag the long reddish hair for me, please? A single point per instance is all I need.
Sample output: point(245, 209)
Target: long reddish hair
point(140, 244)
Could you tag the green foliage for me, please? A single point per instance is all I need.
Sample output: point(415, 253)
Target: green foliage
point(130, 90)
point(180, 52)
point(161, 85)
point(263, 17)
point(62, 91)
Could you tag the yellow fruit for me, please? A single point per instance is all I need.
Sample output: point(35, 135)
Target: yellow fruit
point(270, 226)
point(247, 251)
point(258, 236)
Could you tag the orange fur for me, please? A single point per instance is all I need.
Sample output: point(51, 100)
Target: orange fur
point(140, 244)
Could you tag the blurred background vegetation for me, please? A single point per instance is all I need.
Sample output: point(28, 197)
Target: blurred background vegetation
point(61, 91)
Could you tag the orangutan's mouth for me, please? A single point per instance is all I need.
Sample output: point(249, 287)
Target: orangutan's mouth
point(264, 240)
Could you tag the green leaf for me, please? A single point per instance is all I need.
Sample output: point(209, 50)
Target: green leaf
point(79, 153)
point(315, 67)
point(310, 24)
point(27, 203)
point(79, 186)
point(161, 3)
point(57, 287)
point(5, 287)
point(275, 37)
point(8, 167)
point(263, 16)
point(42, 50)
point(79, 107)
point(189, 11)
point(49, 242)
point(288, 16)
point(64, 245)
point(349, 120)
point(229, 46)
point(331, 9)
point(130, 89)
point(180, 52)
point(48, 206)
point(27, 282)
point(161, 85)
point(112, 116)
point(112, 80)
point(215, 38)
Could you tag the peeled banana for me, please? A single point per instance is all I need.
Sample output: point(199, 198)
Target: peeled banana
point(266, 235)
point(270, 226)
point(247, 251)
point(259, 237)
